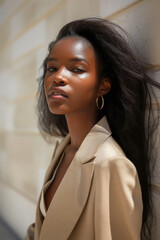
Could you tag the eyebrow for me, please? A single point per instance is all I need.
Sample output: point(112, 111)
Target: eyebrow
point(71, 59)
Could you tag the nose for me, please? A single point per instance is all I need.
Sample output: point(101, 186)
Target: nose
point(60, 78)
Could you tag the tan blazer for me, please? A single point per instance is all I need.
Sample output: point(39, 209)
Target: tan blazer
point(99, 197)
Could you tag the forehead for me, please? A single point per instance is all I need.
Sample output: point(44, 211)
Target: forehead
point(73, 46)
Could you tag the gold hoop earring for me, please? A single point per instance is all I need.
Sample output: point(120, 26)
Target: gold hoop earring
point(102, 102)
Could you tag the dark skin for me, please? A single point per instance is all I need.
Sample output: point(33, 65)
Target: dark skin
point(71, 87)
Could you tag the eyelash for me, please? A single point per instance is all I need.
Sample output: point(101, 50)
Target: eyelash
point(51, 69)
point(76, 70)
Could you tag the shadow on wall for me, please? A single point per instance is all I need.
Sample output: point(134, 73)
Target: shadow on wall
point(6, 233)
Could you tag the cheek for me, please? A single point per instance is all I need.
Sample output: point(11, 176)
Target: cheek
point(84, 94)
point(87, 84)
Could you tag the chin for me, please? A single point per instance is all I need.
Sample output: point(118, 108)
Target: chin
point(58, 111)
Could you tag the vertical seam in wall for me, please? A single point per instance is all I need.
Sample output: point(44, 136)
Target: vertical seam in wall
point(121, 11)
point(13, 13)
point(49, 13)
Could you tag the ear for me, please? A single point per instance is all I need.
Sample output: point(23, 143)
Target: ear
point(105, 86)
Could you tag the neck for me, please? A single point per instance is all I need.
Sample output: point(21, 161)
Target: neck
point(79, 126)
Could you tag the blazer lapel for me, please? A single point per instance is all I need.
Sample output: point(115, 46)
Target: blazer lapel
point(68, 202)
point(56, 155)
point(57, 152)
point(72, 193)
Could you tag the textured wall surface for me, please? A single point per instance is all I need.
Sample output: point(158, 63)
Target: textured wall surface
point(26, 29)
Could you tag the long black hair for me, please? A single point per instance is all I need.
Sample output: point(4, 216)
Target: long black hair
point(125, 104)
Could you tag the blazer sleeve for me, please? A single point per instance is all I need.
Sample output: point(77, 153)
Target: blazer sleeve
point(30, 232)
point(118, 201)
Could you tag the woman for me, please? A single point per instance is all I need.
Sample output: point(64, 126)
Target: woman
point(94, 91)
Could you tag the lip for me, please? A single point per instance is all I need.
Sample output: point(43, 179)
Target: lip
point(57, 93)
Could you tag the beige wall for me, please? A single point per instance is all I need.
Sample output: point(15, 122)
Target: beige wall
point(26, 29)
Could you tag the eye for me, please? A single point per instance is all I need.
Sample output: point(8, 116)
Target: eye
point(51, 69)
point(78, 70)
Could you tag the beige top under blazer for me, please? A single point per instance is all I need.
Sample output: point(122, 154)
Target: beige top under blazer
point(99, 197)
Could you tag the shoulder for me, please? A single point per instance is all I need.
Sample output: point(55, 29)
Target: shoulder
point(115, 172)
point(110, 156)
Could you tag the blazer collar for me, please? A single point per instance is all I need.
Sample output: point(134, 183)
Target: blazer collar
point(90, 145)
point(99, 132)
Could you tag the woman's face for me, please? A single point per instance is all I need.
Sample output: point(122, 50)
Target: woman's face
point(71, 79)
